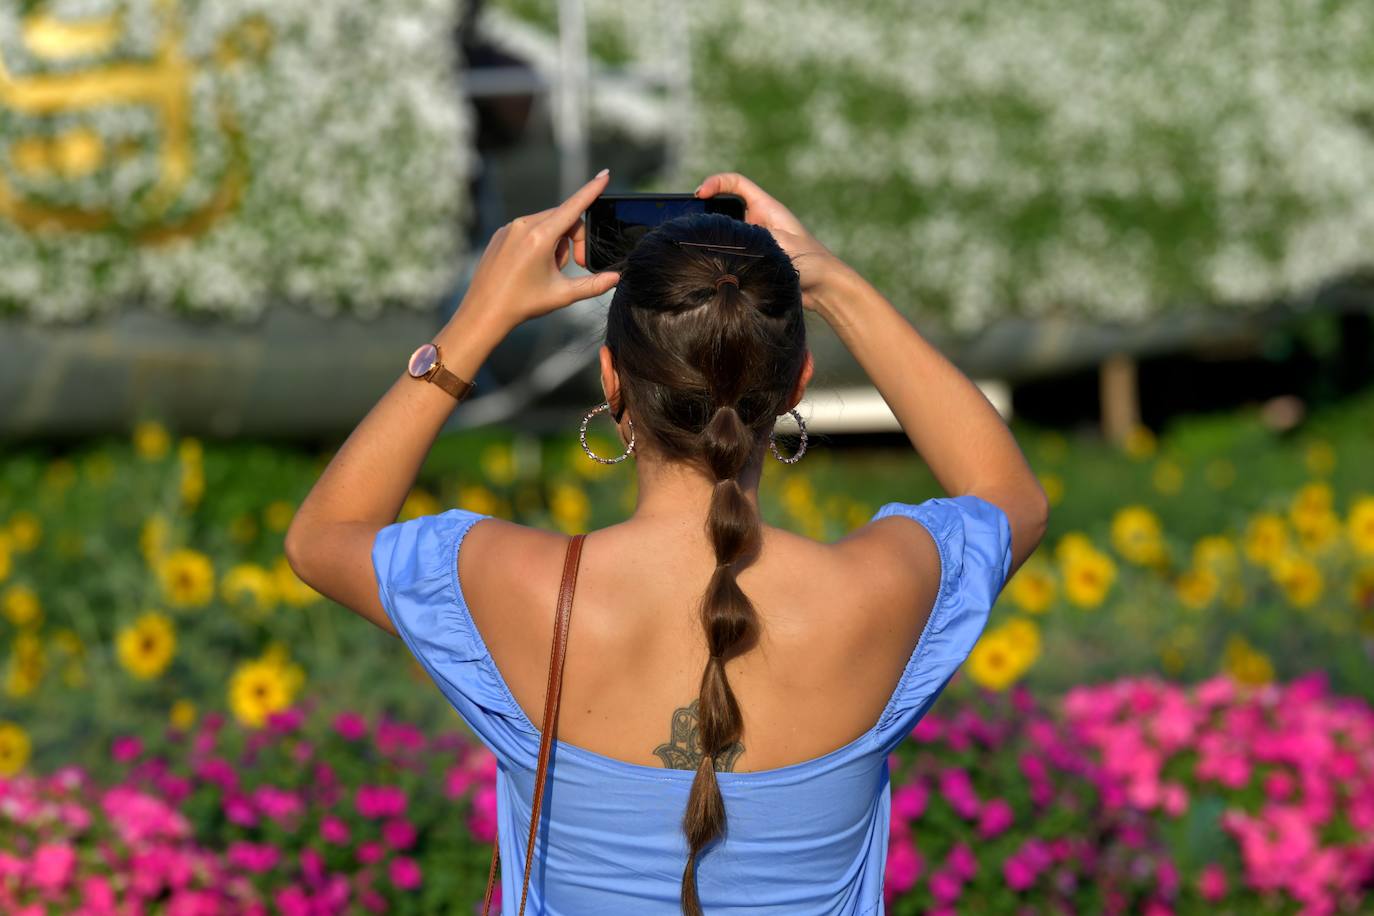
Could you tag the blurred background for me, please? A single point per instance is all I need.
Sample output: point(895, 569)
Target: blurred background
point(1144, 228)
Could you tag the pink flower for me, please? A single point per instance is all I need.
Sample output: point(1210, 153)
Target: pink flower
point(909, 801)
point(238, 809)
point(97, 894)
point(370, 852)
point(962, 862)
point(278, 804)
point(945, 886)
point(380, 801)
point(995, 817)
point(333, 830)
point(253, 857)
point(957, 788)
point(399, 833)
point(904, 864)
point(1019, 873)
point(482, 818)
point(1211, 883)
point(404, 872)
point(285, 721)
point(126, 748)
point(350, 726)
point(52, 866)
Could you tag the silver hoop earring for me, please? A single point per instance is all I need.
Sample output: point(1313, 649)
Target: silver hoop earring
point(801, 447)
point(604, 405)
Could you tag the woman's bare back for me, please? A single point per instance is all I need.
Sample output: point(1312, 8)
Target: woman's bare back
point(839, 622)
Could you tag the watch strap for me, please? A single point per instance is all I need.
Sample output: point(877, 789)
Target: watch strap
point(450, 382)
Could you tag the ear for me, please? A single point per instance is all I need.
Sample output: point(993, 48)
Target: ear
point(808, 369)
point(610, 379)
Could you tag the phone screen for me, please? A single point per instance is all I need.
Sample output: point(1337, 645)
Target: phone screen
point(616, 222)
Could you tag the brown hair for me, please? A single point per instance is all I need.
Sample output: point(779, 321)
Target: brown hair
point(705, 368)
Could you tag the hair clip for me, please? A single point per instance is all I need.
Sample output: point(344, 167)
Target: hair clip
point(732, 249)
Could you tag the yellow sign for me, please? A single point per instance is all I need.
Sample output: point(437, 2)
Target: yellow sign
point(57, 93)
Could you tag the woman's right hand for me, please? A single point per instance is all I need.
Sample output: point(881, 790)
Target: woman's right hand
point(817, 265)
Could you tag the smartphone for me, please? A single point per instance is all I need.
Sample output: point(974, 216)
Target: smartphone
point(616, 222)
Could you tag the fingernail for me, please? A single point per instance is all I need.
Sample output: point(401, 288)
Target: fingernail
point(698, 190)
point(602, 172)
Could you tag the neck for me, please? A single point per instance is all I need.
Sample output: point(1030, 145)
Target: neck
point(673, 490)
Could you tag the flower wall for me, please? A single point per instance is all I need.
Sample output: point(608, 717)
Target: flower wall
point(217, 158)
point(1106, 158)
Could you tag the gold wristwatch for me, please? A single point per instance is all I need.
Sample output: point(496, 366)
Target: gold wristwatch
point(427, 363)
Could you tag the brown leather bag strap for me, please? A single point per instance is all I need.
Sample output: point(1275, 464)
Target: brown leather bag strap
point(552, 696)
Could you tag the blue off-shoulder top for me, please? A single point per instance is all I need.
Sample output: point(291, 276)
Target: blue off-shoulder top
point(809, 839)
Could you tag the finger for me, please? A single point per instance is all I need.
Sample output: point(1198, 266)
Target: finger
point(560, 252)
point(591, 285)
point(570, 211)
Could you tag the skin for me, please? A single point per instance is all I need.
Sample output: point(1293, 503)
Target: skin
point(839, 620)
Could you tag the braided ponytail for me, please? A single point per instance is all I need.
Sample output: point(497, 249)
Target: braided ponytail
point(708, 345)
point(729, 619)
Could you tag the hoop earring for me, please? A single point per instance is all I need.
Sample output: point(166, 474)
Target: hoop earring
point(604, 405)
point(801, 447)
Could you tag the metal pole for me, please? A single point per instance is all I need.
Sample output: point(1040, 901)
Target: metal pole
point(570, 123)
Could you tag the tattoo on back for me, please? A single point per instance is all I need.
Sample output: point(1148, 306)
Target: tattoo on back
point(683, 750)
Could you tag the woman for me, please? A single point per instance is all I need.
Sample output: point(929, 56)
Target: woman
point(719, 671)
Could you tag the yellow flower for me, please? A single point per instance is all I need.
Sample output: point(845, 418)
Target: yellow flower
point(570, 507)
point(182, 715)
point(259, 688)
point(995, 662)
point(20, 606)
point(606, 448)
point(1197, 587)
point(278, 514)
point(1032, 588)
point(1137, 535)
point(1088, 576)
point(1311, 499)
point(190, 451)
point(152, 540)
point(67, 641)
point(1025, 635)
point(1320, 458)
point(1217, 553)
point(290, 588)
point(26, 667)
point(1245, 663)
point(1167, 477)
point(243, 529)
point(14, 748)
point(187, 577)
point(419, 503)
point(192, 485)
point(798, 495)
point(1220, 473)
point(1317, 531)
point(498, 463)
point(99, 468)
point(1299, 578)
point(249, 586)
point(478, 498)
point(151, 440)
point(1360, 525)
point(1074, 542)
point(5, 562)
point(1266, 539)
point(25, 531)
point(59, 474)
point(1053, 485)
point(145, 647)
point(1140, 442)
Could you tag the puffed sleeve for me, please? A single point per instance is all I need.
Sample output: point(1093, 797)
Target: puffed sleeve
point(416, 562)
point(973, 538)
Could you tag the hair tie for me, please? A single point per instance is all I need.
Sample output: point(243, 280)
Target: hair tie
point(727, 278)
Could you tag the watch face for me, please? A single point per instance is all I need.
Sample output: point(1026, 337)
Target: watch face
point(423, 360)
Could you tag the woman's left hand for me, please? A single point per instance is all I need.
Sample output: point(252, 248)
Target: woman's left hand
point(519, 276)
